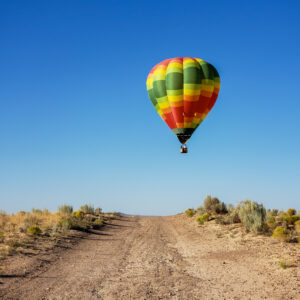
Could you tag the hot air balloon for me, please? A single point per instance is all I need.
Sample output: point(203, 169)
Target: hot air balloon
point(183, 90)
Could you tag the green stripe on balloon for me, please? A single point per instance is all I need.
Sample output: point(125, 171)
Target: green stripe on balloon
point(192, 75)
point(159, 88)
point(174, 81)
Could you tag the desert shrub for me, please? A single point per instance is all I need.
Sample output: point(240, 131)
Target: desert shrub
point(65, 224)
point(88, 209)
point(291, 219)
point(65, 209)
point(221, 220)
point(231, 218)
point(98, 211)
point(214, 205)
point(230, 207)
point(297, 226)
point(190, 212)
point(1, 237)
point(281, 233)
point(271, 222)
point(205, 217)
point(273, 212)
point(34, 230)
point(31, 220)
point(13, 243)
point(98, 223)
point(78, 214)
point(36, 211)
point(54, 227)
point(291, 212)
point(82, 224)
point(252, 216)
point(202, 219)
point(283, 264)
point(221, 208)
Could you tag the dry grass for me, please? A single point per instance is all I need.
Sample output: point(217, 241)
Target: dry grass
point(19, 228)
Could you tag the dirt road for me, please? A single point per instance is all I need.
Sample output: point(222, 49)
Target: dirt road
point(164, 258)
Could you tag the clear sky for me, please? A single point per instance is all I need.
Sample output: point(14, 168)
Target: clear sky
point(76, 124)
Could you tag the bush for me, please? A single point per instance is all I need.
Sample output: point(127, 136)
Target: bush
point(230, 207)
point(234, 216)
point(98, 223)
point(291, 219)
point(65, 209)
point(88, 209)
point(36, 211)
point(230, 218)
point(78, 214)
point(13, 243)
point(271, 222)
point(202, 219)
point(205, 217)
point(283, 264)
point(252, 216)
point(65, 224)
point(214, 205)
point(273, 213)
point(291, 212)
point(98, 211)
point(281, 233)
point(190, 212)
point(55, 227)
point(34, 230)
point(1, 237)
point(297, 226)
point(32, 220)
point(82, 224)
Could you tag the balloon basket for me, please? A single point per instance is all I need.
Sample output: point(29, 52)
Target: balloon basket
point(183, 149)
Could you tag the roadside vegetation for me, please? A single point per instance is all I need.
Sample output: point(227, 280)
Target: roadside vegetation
point(25, 230)
point(283, 226)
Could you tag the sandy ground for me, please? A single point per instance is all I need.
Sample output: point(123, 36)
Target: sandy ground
point(158, 258)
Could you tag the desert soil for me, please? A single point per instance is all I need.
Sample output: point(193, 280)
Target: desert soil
point(158, 258)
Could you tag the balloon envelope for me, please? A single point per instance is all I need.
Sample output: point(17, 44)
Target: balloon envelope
point(183, 90)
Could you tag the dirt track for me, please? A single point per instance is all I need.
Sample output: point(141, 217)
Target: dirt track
point(164, 258)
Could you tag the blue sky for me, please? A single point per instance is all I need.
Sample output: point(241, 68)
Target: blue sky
point(76, 124)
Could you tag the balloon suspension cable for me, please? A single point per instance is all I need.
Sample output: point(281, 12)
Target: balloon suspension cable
point(183, 148)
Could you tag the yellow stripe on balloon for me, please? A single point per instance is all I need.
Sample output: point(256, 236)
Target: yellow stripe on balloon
point(192, 92)
point(164, 105)
point(175, 98)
